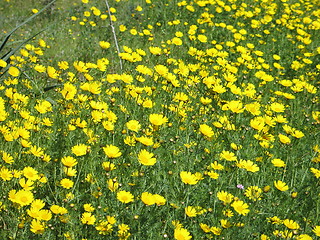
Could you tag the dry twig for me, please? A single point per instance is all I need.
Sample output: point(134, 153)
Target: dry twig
point(114, 34)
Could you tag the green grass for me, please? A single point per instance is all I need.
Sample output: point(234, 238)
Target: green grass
point(44, 114)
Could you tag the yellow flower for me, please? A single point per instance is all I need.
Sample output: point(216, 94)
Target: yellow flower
point(158, 119)
point(202, 38)
point(216, 230)
point(37, 226)
point(88, 218)
point(225, 223)
point(160, 200)
point(40, 68)
point(69, 161)
point(108, 166)
point(88, 207)
point(122, 28)
point(124, 196)
point(68, 91)
point(284, 139)
point(206, 130)
point(257, 123)
point(123, 231)
point(176, 223)
point(104, 44)
point(34, 10)
point(277, 107)
point(316, 172)
point(253, 108)
point(190, 211)
point(112, 151)
point(66, 183)
point(146, 158)
point(240, 207)
point(213, 174)
point(316, 230)
point(229, 156)
point(70, 172)
point(278, 162)
point(274, 220)
point(93, 87)
point(216, 166)
point(225, 197)
point(58, 210)
point(109, 126)
point(264, 237)
point(24, 133)
point(13, 71)
point(297, 134)
point(33, 212)
point(182, 234)
point(155, 51)
point(30, 173)
point(16, 173)
point(80, 66)
point(235, 146)
point(291, 224)
point(44, 214)
point(38, 204)
point(36, 151)
point(228, 213)
point(3, 63)
point(253, 193)
point(43, 106)
point(26, 184)
point(205, 227)
point(248, 165)
point(148, 198)
point(52, 72)
point(112, 185)
point(23, 197)
point(79, 150)
point(176, 41)
point(5, 174)
point(205, 100)
point(230, 77)
point(234, 106)
point(63, 65)
point(144, 70)
point(304, 237)
point(188, 178)
point(133, 125)
point(147, 103)
point(145, 140)
point(281, 186)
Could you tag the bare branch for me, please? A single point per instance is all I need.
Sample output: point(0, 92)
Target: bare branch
point(114, 34)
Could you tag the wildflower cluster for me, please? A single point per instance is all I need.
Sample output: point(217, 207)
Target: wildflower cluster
point(204, 125)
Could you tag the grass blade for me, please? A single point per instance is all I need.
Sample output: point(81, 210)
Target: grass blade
point(23, 23)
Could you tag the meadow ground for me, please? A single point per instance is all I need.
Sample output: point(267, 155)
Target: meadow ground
point(160, 119)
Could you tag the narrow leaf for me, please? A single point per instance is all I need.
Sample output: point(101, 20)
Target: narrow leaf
point(21, 24)
point(51, 87)
point(9, 54)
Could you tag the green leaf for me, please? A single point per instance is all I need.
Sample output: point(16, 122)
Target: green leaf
point(7, 56)
point(51, 87)
point(49, 99)
point(10, 53)
point(23, 23)
point(5, 41)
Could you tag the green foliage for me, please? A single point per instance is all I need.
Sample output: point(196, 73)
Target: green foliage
point(6, 56)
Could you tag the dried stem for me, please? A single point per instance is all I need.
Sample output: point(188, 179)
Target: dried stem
point(114, 34)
